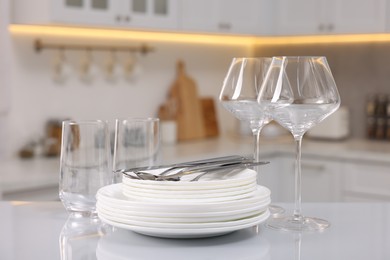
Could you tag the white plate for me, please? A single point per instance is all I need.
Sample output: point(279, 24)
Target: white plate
point(187, 233)
point(112, 194)
point(217, 224)
point(217, 179)
point(184, 191)
point(188, 199)
point(181, 210)
point(140, 195)
point(173, 217)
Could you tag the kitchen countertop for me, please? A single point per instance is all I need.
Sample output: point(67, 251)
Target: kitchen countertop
point(18, 175)
point(358, 231)
point(351, 149)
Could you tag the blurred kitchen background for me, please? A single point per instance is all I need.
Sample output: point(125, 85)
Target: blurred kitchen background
point(31, 95)
point(40, 86)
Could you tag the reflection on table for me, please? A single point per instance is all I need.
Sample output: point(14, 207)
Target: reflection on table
point(45, 231)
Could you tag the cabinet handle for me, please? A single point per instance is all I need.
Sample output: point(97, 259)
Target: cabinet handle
point(127, 18)
point(321, 27)
point(330, 27)
point(224, 26)
point(309, 167)
point(315, 167)
point(118, 18)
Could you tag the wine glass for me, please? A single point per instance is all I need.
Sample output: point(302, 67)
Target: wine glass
point(239, 96)
point(299, 92)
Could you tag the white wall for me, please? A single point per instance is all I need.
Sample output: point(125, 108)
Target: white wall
point(35, 97)
point(5, 46)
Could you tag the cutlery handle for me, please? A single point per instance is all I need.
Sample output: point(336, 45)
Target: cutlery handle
point(210, 169)
point(188, 164)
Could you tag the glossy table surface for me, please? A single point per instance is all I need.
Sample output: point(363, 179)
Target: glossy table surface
point(43, 230)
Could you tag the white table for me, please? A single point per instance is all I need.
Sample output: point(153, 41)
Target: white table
point(32, 230)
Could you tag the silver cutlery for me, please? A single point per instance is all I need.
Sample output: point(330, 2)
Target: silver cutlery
point(170, 167)
point(201, 170)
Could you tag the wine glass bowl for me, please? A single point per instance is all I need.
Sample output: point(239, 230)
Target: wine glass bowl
point(299, 92)
point(241, 88)
point(239, 94)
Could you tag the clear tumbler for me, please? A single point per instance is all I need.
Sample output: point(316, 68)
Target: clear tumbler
point(137, 143)
point(85, 164)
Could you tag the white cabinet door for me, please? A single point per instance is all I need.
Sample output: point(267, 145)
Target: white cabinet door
point(295, 17)
point(330, 16)
point(358, 16)
point(320, 180)
point(226, 16)
point(84, 12)
point(199, 15)
point(240, 17)
point(271, 176)
point(366, 181)
point(159, 14)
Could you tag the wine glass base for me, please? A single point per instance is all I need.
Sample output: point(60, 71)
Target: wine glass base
point(276, 211)
point(298, 223)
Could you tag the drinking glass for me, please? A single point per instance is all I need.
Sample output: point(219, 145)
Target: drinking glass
point(239, 96)
point(299, 92)
point(79, 237)
point(137, 143)
point(85, 164)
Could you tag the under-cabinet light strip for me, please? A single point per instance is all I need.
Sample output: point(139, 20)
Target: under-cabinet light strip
point(115, 34)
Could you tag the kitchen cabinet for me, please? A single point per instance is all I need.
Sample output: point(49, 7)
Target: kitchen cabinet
point(155, 14)
point(299, 17)
point(48, 193)
point(366, 180)
point(320, 179)
point(226, 16)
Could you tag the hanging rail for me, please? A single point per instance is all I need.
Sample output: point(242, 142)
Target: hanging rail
point(143, 48)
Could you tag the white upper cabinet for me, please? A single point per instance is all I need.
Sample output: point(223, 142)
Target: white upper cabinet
point(358, 16)
point(248, 17)
point(159, 14)
point(297, 17)
point(226, 16)
point(156, 14)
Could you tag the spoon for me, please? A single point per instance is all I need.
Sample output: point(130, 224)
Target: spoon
point(186, 171)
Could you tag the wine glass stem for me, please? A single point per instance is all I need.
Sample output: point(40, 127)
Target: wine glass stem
point(298, 196)
point(298, 244)
point(256, 152)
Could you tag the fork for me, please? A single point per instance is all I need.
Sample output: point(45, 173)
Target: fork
point(191, 170)
point(171, 167)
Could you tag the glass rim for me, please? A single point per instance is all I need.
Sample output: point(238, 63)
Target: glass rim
point(138, 119)
point(85, 122)
point(253, 58)
point(300, 57)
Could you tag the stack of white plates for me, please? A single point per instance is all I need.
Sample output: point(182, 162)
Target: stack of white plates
point(212, 206)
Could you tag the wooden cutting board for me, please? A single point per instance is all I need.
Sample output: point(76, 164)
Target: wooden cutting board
point(209, 117)
point(189, 115)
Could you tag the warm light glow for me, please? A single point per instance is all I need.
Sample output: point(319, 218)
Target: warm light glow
point(117, 34)
point(19, 203)
point(312, 39)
